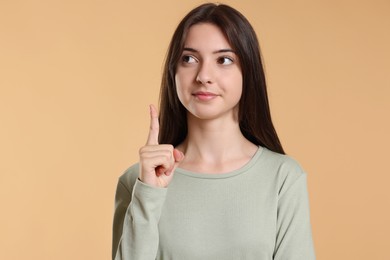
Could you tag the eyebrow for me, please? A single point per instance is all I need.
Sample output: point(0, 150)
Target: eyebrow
point(214, 52)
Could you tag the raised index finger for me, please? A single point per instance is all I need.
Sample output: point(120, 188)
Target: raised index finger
point(154, 127)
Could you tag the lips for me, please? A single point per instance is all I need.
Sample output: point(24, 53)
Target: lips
point(204, 96)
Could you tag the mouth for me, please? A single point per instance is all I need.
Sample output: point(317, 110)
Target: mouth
point(204, 96)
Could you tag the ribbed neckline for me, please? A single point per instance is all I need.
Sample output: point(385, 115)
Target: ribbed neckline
point(238, 171)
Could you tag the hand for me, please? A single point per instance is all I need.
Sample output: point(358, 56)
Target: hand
point(157, 161)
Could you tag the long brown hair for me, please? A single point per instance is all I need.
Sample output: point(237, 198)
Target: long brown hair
point(254, 113)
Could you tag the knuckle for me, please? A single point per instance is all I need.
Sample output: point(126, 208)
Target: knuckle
point(167, 155)
point(169, 147)
point(143, 150)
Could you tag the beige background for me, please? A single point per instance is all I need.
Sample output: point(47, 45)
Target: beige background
point(76, 78)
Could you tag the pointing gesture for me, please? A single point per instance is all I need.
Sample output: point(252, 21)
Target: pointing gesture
point(157, 161)
point(154, 127)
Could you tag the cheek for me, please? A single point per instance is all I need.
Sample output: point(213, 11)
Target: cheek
point(178, 82)
point(183, 80)
point(179, 86)
point(237, 85)
point(239, 94)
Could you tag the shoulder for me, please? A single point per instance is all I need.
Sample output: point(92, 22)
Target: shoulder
point(128, 178)
point(284, 168)
point(284, 164)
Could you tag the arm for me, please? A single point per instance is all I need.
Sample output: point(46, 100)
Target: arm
point(135, 233)
point(140, 197)
point(122, 201)
point(294, 238)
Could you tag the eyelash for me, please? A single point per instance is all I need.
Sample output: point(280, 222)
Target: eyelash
point(185, 59)
point(220, 60)
point(224, 58)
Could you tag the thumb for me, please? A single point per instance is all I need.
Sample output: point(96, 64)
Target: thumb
point(178, 156)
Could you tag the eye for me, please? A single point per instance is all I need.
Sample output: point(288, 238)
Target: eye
point(225, 60)
point(188, 59)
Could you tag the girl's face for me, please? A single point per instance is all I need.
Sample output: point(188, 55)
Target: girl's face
point(208, 76)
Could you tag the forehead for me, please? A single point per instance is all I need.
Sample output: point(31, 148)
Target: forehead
point(206, 36)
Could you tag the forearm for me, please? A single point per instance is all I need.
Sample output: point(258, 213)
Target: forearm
point(140, 236)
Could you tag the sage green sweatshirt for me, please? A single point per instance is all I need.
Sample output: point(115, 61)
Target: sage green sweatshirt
point(260, 211)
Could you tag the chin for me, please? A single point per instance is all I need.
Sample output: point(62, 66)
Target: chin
point(212, 115)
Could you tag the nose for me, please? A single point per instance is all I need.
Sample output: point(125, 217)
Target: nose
point(205, 74)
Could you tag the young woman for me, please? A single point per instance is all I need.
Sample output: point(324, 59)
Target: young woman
point(212, 181)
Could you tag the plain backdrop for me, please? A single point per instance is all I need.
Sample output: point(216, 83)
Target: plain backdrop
point(76, 79)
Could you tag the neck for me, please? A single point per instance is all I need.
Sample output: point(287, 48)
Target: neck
point(215, 142)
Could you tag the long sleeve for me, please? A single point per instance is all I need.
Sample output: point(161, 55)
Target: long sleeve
point(257, 212)
point(137, 213)
point(122, 201)
point(294, 236)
